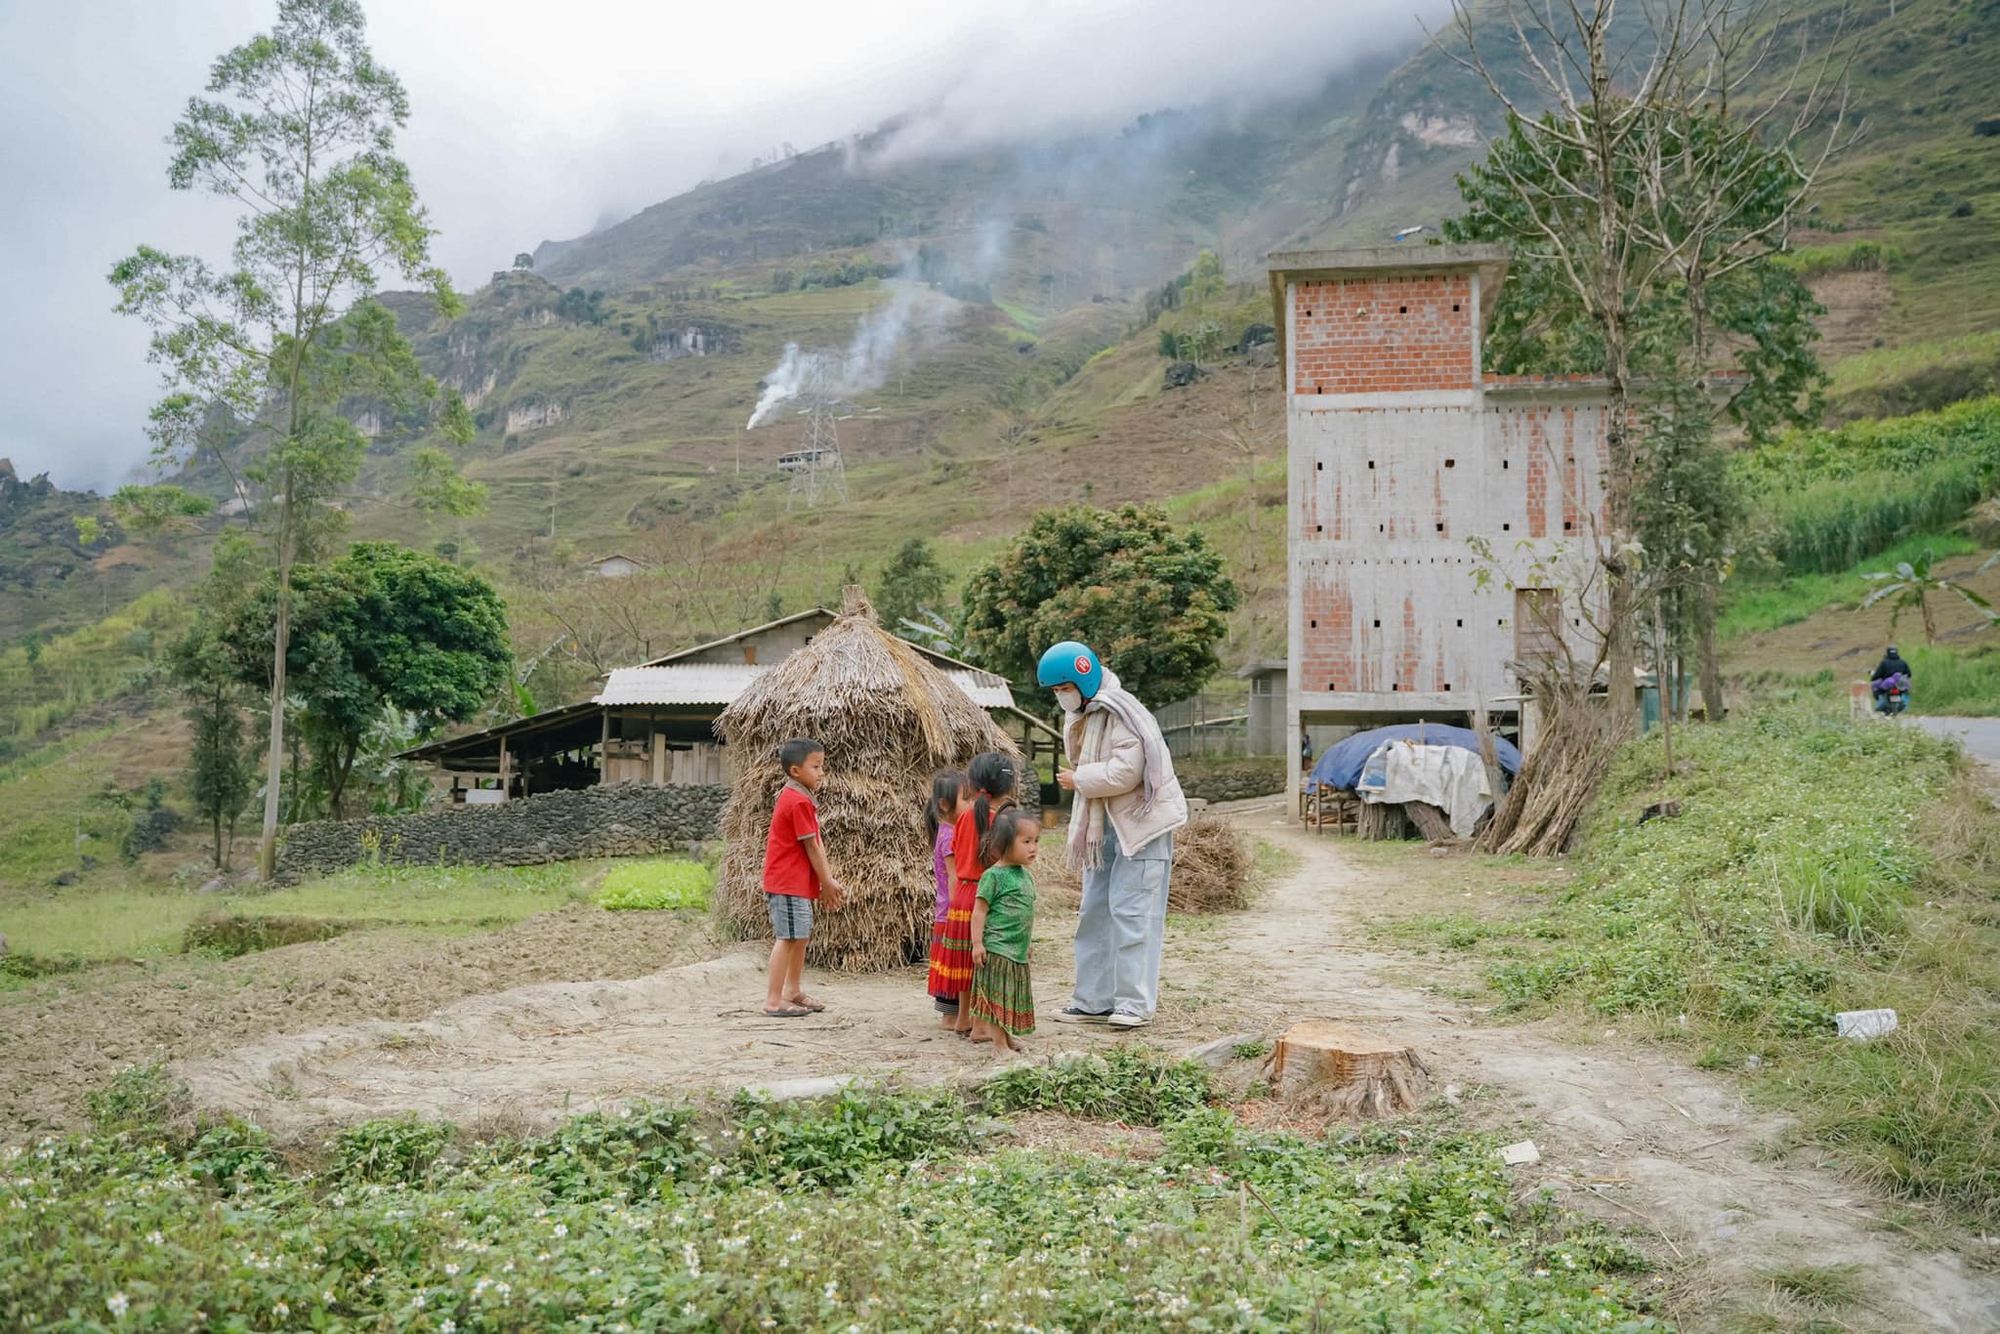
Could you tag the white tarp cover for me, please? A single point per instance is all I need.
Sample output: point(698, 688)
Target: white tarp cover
point(1448, 777)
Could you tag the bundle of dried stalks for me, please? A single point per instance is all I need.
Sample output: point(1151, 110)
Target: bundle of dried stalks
point(1214, 870)
point(1557, 781)
point(888, 720)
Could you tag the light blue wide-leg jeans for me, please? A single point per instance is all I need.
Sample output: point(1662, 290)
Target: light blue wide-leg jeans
point(1121, 929)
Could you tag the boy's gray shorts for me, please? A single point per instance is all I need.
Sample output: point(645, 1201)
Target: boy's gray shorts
point(791, 916)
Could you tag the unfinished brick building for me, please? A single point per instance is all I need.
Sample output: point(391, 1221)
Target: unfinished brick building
point(1400, 449)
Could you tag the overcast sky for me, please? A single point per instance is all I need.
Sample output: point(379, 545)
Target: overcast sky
point(538, 120)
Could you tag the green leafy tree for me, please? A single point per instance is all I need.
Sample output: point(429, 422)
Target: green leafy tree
point(524, 261)
point(382, 628)
point(1151, 601)
point(1914, 582)
point(1707, 286)
point(1634, 177)
point(1205, 285)
point(222, 768)
point(912, 582)
point(298, 130)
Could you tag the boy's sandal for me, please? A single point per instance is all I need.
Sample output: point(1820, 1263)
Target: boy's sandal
point(807, 1003)
point(787, 1012)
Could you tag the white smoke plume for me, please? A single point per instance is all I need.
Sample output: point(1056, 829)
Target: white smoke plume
point(780, 386)
point(912, 313)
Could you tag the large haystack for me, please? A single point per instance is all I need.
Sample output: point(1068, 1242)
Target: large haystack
point(888, 720)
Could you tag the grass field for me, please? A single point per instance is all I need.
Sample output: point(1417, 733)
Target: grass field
point(1816, 867)
point(88, 926)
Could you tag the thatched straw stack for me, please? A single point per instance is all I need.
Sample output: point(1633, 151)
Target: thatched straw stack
point(1214, 870)
point(888, 720)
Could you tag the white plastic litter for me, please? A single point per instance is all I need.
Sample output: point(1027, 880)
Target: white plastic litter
point(1862, 1025)
point(1524, 1154)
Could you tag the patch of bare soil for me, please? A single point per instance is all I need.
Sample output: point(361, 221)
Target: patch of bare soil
point(1857, 311)
point(58, 1042)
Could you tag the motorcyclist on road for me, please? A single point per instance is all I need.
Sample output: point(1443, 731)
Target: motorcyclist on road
point(1890, 683)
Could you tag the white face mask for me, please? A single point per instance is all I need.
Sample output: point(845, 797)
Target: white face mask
point(1069, 698)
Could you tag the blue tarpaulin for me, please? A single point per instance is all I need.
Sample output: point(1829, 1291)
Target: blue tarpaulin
point(1340, 767)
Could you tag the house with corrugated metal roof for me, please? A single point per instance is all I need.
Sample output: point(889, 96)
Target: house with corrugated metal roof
point(655, 722)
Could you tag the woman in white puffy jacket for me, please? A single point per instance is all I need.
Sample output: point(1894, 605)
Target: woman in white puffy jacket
point(1128, 804)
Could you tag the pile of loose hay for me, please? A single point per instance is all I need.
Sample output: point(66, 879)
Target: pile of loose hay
point(1214, 870)
point(888, 720)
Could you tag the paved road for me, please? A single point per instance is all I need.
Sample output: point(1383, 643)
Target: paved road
point(1980, 735)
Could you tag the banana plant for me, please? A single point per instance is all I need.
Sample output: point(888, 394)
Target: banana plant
point(1912, 583)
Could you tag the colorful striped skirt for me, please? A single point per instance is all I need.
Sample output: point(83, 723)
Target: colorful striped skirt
point(1003, 995)
point(951, 946)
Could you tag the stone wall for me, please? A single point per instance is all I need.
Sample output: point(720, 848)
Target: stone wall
point(624, 820)
point(1231, 779)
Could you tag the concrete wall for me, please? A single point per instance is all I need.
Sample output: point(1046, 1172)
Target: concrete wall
point(1399, 451)
point(625, 820)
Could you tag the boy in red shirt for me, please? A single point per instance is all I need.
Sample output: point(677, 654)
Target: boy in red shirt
point(795, 877)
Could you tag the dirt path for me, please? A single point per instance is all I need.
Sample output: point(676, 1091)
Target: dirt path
point(1627, 1132)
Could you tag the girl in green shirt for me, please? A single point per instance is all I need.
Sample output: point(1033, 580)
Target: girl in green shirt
point(1003, 922)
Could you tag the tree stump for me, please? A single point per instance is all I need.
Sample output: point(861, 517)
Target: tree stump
point(1323, 1066)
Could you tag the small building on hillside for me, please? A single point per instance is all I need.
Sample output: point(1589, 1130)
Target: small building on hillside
point(1401, 449)
point(615, 566)
point(655, 722)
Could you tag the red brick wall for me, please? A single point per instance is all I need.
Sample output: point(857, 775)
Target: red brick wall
point(1327, 661)
point(1383, 335)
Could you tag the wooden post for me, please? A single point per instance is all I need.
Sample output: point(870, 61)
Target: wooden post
point(604, 750)
point(504, 793)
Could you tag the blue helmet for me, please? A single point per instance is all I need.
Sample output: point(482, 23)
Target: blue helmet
point(1071, 664)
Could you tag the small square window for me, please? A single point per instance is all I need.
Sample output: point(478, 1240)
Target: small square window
point(1404, 310)
point(1451, 463)
point(1320, 466)
point(1461, 622)
point(1440, 528)
point(1447, 687)
point(1315, 625)
point(1319, 528)
point(1454, 307)
point(1503, 465)
point(1567, 525)
point(1378, 625)
point(1371, 465)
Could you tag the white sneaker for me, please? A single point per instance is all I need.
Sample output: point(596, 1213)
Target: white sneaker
point(1123, 1020)
point(1072, 1015)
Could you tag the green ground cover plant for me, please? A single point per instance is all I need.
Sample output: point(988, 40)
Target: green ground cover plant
point(1817, 866)
point(875, 1209)
point(656, 884)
